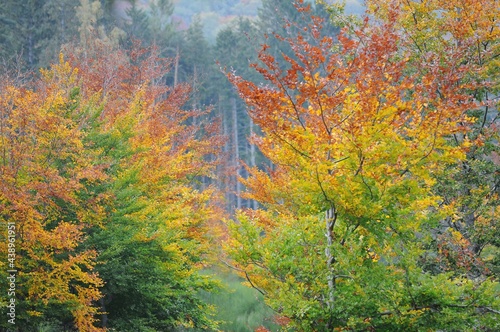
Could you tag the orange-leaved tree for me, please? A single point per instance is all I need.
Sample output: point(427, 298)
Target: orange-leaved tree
point(45, 170)
point(464, 35)
point(356, 139)
point(101, 180)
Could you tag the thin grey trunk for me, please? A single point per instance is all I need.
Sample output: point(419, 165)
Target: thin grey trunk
point(225, 129)
point(63, 24)
point(176, 66)
point(30, 50)
point(195, 102)
point(236, 152)
point(330, 219)
point(254, 203)
point(225, 132)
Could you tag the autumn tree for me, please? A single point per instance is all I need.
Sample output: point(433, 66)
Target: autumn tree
point(462, 35)
point(155, 238)
point(100, 165)
point(277, 18)
point(46, 169)
point(358, 140)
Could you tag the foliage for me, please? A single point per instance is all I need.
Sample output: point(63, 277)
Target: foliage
point(153, 26)
point(155, 238)
point(99, 167)
point(278, 18)
point(377, 175)
point(46, 169)
point(357, 141)
point(463, 33)
point(34, 31)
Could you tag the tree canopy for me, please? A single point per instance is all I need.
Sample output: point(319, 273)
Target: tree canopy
point(345, 169)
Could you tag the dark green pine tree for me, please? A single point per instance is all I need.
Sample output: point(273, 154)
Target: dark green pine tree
point(277, 18)
point(8, 43)
point(152, 26)
point(61, 26)
point(197, 64)
point(21, 35)
point(138, 24)
point(34, 30)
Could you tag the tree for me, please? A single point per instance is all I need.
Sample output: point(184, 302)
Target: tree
point(99, 169)
point(156, 235)
point(35, 30)
point(198, 62)
point(357, 141)
point(467, 34)
point(152, 25)
point(92, 30)
point(278, 18)
point(46, 170)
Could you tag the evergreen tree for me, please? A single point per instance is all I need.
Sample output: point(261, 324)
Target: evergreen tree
point(61, 26)
point(197, 64)
point(152, 26)
point(33, 28)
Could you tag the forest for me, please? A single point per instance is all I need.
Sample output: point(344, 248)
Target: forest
point(243, 165)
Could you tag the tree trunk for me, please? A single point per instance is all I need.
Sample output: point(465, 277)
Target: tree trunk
point(330, 219)
point(104, 321)
point(194, 95)
point(236, 152)
point(176, 66)
point(224, 166)
point(254, 204)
